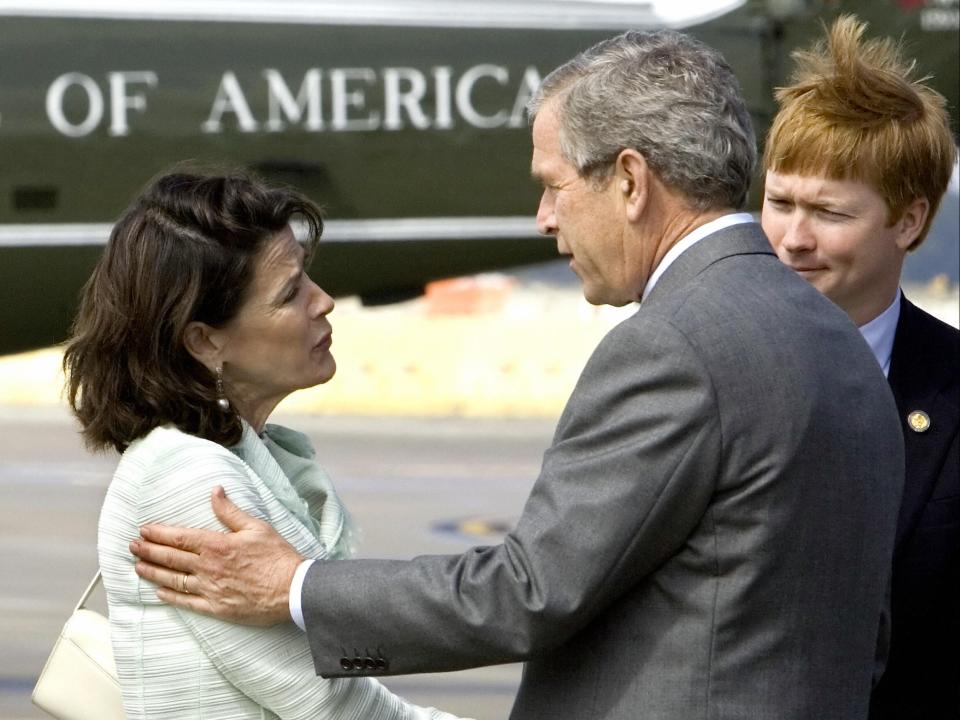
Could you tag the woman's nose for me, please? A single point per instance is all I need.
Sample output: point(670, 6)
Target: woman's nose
point(320, 304)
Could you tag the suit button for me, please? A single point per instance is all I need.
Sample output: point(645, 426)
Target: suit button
point(346, 664)
point(381, 664)
point(358, 663)
point(369, 663)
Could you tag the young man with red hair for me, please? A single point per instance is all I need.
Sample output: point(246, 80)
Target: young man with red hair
point(857, 161)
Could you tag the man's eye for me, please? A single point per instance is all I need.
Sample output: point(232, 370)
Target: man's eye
point(833, 215)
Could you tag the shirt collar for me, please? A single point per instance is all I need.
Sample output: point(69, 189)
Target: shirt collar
point(880, 332)
point(688, 241)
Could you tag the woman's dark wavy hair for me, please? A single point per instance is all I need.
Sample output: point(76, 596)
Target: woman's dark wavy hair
point(184, 250)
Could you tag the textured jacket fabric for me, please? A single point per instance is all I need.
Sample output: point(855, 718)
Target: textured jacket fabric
point(711, 532)
point(922, 678)
point(177, 664)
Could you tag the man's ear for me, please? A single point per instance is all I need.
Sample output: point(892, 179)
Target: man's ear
point(911, 222)
point(632, 180)
point(205, 343)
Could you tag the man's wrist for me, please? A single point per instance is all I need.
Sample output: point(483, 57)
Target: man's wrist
point(296, 590)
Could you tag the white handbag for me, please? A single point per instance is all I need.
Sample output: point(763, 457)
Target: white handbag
point(79, 681)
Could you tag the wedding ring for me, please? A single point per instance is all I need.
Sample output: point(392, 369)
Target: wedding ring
point(183, 584)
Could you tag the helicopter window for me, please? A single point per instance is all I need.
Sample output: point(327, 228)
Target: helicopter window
point(34, 197)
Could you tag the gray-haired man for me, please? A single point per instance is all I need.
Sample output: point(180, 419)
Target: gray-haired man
point(711, 531)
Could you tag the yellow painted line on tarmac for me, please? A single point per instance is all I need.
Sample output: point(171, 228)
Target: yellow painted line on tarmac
point(478, 529)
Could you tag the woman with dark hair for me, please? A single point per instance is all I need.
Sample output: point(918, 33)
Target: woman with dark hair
point(198, 319)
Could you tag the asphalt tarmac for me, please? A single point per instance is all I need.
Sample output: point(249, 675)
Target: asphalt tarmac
point(415, 486)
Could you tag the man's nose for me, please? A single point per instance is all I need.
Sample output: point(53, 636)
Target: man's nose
point(546, 217)
point(798, 236)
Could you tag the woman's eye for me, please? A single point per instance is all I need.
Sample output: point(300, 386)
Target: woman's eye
point(294, 289)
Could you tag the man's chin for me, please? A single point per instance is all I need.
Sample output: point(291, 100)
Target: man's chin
point(598, 298)
point(591, 295)
point(821, 282)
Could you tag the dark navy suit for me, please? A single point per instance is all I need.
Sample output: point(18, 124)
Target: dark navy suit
point(922, 679)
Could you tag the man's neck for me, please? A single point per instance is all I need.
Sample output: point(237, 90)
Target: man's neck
point(681, 224)
point(871, 308)
point(695, 235)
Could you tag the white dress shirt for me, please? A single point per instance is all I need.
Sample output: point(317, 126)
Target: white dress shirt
point(296, 588)
point(880, 332)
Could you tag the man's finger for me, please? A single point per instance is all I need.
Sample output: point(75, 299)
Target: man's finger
point(189, 539)
point(161, 576)
point(229, 514)
point(162, 555)
point(186, 601)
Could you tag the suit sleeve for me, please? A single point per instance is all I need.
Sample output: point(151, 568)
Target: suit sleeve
point(630, 474)
point(272, 666)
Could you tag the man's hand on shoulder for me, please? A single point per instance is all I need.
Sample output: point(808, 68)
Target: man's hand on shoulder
point(243, 576)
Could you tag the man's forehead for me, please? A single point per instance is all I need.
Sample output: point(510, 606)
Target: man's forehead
point(547, 159)
point(550, 167)
point(546, 128)
point(538, 162)
point(814, 185)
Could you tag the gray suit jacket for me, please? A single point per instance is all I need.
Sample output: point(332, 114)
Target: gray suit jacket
point(710, 535)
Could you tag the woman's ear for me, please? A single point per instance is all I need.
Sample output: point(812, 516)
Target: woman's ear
point(204, 343)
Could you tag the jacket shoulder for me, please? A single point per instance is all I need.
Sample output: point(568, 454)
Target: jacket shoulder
point(165, 450)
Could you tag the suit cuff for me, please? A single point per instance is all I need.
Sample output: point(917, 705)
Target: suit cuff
point(296, 589)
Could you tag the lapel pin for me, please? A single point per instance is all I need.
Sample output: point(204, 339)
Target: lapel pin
point(918, 421)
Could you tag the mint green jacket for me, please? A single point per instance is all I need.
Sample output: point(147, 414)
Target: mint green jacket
point(177, 664)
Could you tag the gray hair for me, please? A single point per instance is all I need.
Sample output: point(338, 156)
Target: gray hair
point(667, 96)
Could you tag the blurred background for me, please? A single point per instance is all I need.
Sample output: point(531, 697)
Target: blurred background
point(457, 337)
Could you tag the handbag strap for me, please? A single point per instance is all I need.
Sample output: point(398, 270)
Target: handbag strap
point(86, 593)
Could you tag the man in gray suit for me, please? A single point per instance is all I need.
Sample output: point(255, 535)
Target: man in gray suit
point(711, 532)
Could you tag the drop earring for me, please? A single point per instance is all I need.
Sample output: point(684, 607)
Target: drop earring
point(222, 401)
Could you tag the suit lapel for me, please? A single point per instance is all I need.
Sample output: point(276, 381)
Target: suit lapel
point(916, 377)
